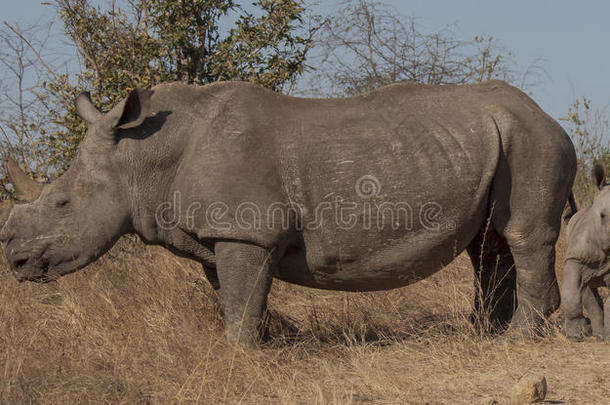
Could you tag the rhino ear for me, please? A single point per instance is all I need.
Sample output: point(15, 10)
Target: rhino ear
point(131, 111)
point(26, 189)
point(599, 175)
point(85, 108)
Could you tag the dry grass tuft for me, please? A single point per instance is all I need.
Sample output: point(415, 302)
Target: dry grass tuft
point(142, 326)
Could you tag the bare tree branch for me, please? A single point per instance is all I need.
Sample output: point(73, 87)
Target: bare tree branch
point(368, 44)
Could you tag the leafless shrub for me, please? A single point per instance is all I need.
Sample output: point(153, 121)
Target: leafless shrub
point(588, 128)
point(26, 66)
point(368, 45)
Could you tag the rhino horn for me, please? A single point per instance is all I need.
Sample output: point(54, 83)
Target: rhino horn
point(26, 189)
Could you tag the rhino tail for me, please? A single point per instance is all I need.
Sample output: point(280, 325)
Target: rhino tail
point(573, 208)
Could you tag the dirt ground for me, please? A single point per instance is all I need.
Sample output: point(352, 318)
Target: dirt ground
point(142, 326)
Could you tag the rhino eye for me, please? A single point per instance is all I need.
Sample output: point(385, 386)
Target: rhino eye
point(602, 215)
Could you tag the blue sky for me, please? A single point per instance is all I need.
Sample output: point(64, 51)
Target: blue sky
point(567, 37)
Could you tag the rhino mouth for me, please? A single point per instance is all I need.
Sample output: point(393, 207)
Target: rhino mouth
point(45, 266)
point(21, 262)
point(41, 270)
point(27, 269)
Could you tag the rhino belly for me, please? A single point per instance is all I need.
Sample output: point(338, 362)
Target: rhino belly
point(366, 261)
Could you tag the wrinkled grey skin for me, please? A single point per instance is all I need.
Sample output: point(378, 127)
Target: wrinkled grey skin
point(475, 151)
point(587, 266)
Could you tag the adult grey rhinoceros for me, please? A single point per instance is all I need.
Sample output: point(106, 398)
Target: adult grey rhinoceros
point(365, 193)
point(587, 265)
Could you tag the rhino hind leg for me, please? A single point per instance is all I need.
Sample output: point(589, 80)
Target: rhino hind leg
point(538, 291)
point(245, 275)
point(495, 281)
point(527, 201)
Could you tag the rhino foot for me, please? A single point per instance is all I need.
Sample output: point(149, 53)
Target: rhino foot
point(577, 329)
point(575, 337)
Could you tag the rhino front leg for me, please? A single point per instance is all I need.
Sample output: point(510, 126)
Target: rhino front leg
point(594, 306)
point(245, 274)
point(576, 325)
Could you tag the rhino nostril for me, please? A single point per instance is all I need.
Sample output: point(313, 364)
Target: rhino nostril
point(20, 262)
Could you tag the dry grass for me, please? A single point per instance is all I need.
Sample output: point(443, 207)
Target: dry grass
point(141, 326)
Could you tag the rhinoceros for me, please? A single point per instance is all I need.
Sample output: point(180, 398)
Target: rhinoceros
point(586, 265)
point(365, 193)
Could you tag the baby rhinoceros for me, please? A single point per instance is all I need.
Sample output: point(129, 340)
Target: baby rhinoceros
point(587, 265)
